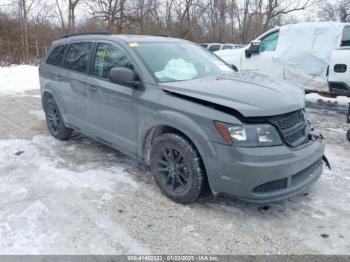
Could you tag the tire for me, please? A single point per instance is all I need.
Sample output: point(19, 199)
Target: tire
point(348, 135)
point(55, 122)
point(176, 168)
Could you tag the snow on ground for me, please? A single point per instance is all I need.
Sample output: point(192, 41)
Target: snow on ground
point(18, 79)
point(39, 114)
point(47, 203)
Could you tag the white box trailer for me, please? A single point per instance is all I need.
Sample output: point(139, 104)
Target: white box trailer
point(315, 56)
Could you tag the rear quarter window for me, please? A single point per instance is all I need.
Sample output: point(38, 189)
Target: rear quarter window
point(56, 55)
point(346, 37)
point(78, 56)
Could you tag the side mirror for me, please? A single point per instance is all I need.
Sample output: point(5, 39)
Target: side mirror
point(124, 76)
point(254, 48)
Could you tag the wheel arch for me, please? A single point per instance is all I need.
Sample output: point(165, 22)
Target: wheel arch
point(45, 96)
point(173, 122)
point(50, 93)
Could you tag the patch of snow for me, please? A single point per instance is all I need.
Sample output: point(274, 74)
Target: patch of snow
point(336, 130)
point(17, 79)
point(316, 98)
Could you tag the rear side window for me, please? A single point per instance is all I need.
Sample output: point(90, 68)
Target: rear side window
point(77, 57)
point(108, 56)
point(214, 48)
point(56, 55)
point(346, 37)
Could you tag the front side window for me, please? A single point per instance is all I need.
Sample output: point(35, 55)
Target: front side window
point(77, 57)
point(56, 55)
point(179, 61)
point(269, 43)
point(108, 56)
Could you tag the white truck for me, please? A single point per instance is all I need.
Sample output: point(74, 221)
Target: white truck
point(315, 56)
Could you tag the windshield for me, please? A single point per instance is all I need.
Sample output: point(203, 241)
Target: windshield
point(171, 62)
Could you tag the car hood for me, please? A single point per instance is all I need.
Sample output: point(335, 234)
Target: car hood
point(251, 94)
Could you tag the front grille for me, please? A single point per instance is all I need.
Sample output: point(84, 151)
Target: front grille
point(291, 139)
point(271, 186)
point(293, 127)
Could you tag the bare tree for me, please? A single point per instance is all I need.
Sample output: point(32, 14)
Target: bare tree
point(334, 10)
point(63, 24)
point(110, 11)
point(72, 4)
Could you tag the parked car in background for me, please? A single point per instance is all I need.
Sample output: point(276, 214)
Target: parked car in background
point(185, 113)
point(314, 55)
point(213, 47)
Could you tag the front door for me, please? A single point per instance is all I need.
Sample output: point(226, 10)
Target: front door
point(112, 107)
point(264, 62)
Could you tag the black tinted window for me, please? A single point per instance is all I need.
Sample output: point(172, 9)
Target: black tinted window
point(346, 37)
point(214, 48)
point(77, 57)
point(56, 55)
point(108, 56)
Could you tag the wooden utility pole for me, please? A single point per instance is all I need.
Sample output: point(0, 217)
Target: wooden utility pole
point(24, 30)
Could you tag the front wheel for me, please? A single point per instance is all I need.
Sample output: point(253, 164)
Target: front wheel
point(176, 167)
point(55, 122)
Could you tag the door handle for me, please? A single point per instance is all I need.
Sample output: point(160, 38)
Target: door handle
point(58, 78)
point(92, 88)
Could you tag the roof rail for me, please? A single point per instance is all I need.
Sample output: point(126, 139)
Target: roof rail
point(85, 33)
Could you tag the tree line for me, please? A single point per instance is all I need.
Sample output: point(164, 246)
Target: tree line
point(28, 27)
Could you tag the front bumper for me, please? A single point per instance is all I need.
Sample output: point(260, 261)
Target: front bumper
point(264, 174)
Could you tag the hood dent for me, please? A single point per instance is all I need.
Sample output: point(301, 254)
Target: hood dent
point(251, 95)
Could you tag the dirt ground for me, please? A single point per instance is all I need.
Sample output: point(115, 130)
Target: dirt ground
point(81, 197)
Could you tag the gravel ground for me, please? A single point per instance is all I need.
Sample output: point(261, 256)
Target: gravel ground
point(80, 197)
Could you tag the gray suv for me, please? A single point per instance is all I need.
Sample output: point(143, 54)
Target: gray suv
point(184, 112)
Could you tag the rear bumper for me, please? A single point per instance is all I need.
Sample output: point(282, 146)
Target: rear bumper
point(339, 88)
point(264, 175)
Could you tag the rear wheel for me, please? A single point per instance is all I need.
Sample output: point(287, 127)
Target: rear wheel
point(176, 167)
point(55, 122)
point(348, 135)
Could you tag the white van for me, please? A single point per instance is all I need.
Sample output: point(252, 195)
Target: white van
point(316, 56)
point(213, 47)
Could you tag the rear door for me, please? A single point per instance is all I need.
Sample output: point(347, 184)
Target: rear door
point(111, 107)
point(75, 81)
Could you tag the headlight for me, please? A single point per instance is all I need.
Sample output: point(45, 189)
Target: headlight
point(249, 135)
